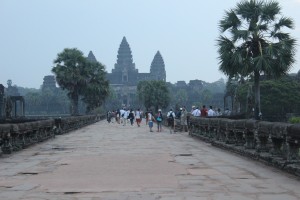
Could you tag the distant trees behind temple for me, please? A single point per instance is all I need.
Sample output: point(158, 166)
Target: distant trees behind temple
point(46, 102)
point(197, 93)
point(153, 94)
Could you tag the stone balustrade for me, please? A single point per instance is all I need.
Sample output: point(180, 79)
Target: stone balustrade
point(275, 143)
point(18, 135)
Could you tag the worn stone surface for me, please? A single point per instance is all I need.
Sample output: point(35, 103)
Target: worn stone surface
point(110, 161)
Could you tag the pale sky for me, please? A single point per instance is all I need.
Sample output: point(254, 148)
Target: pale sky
point(185, 32)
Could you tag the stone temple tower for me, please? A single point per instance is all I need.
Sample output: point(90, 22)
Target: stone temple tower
point(124, 71)
point(157, 68)
point(124, 77)
point(91, 57)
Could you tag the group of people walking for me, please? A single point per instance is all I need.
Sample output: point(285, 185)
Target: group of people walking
point(179, 117)
point(125, 116)
point(122, 116)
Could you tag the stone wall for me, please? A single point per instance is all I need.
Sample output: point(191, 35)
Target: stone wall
point(16, 135)
point(273, 143)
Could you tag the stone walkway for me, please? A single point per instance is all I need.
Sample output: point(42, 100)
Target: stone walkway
point(110, 161)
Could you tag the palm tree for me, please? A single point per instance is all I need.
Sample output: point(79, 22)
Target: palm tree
point(97, 88)
point(71, 74)
point(258, 44)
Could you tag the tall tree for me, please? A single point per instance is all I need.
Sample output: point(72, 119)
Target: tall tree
point(153, 94)
point(80, 77)
point(97, 88)
point(258, 44)
point(71, 75)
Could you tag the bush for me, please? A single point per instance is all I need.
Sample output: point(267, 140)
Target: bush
point(294, 120)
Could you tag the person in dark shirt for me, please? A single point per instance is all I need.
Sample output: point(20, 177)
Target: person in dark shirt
point(204, 111)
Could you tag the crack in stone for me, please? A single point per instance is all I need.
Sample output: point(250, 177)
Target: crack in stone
point(72, 192)
point(28, 173)
point(184, 154)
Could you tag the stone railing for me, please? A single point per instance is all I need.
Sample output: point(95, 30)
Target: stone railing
point(275, 143)
point(16, 135)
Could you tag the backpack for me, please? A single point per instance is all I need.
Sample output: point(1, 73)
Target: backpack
point(159, 118)
point(171, 116)
point(130, 116)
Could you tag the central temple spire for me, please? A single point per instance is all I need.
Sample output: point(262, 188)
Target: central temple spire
point(124, 58)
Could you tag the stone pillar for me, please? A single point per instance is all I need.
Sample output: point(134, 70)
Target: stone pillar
point(1, 101)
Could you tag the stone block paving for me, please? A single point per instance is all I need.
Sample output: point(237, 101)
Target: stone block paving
point(111, 161)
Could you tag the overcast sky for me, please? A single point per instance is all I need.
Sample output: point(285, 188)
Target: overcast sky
point(185, 32)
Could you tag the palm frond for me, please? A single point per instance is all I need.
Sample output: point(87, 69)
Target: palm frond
point(280, 35)
point(239, 34)
point(230, 20)
point(225, 45)
point(284, 22)
point(261, 63)
point(249, 10)
point(262, 27)
point(269, 11)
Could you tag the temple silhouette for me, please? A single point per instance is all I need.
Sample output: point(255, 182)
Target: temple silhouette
point(124, 77)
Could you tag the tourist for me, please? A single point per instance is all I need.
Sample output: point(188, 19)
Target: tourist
point(118, 116)
point(193, 108)
point(131, 116)
point(211, 112)
point(108, 116)
point(125, 116)
point(150, 119)
point(218, 112)
point(196, 112)
point(113, 116)
point(227, 112)
point(204, 111)
point(146, 116)
point(138, 117)
point(159, 119)
point(183, 120)
point(122, 111)
point(178, 114)
point(171, 120)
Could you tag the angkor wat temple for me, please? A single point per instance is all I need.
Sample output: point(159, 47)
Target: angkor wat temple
point(124, 78)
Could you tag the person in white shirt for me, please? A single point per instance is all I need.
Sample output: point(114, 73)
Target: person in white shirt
point(150, 120)
point(227, 112)
point(193, 108)
point(218, 112)
point(211, 112)
point(196, 112)
point(122, 111)
point(138, 117)
point(125, 117)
